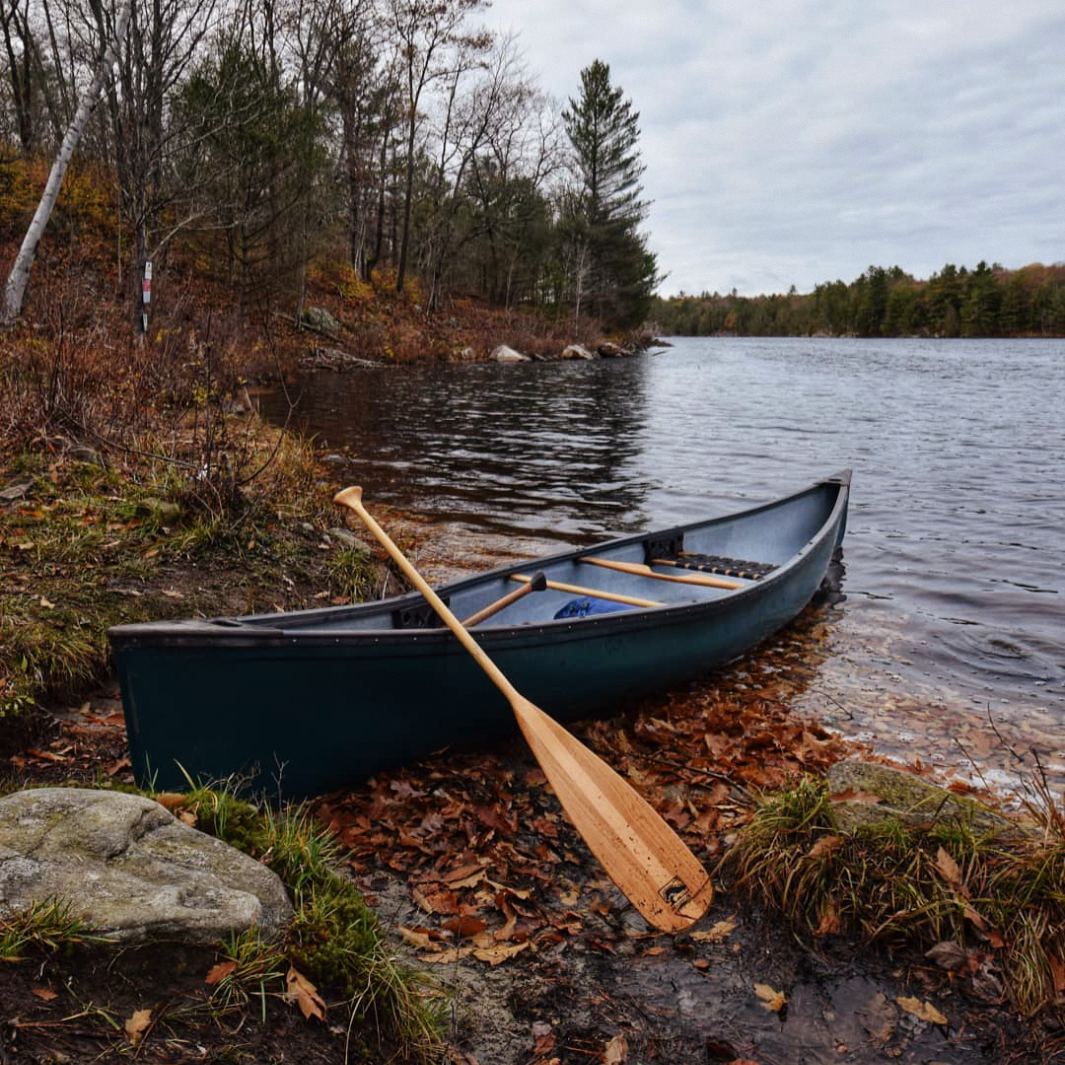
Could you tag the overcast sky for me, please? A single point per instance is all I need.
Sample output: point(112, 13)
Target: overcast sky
point(799, 141)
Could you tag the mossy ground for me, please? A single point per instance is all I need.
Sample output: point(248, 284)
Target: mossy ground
point(86, 546)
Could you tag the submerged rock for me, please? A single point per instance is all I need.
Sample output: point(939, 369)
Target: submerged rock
point(129, 869)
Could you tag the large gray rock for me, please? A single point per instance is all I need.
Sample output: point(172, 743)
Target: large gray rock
point(129, 869)
point(576, 351)
point(320, 320)
point(505, 354)
point(866, 793)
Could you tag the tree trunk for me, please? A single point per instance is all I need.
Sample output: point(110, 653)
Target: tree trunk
point(18, 279)
point(408, 200)
point(379, 238)
point(21, 85)
point(140, 257)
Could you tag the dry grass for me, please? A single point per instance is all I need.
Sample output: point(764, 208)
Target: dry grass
point(146, 529)
point(999, 897)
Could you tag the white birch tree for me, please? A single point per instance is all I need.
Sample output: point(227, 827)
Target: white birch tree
point(18, 279)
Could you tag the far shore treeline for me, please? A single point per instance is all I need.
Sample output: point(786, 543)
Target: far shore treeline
point(988, 301)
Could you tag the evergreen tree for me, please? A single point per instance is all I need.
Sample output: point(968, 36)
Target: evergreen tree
point(604, 130)
point(983, 299)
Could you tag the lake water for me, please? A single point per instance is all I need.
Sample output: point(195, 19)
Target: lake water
point(951, 636)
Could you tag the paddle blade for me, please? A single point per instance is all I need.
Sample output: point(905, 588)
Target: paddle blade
point(642, 855)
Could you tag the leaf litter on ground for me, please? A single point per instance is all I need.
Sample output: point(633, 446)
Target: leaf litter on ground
point(494, 872)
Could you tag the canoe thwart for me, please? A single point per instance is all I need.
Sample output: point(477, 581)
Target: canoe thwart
point(597, 593)
point(641, 570)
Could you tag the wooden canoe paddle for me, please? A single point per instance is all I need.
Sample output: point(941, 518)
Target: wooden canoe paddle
point(642, 855)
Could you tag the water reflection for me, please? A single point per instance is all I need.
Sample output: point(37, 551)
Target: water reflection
point(548, 452)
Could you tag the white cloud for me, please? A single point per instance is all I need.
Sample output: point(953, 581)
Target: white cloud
point(796, 141)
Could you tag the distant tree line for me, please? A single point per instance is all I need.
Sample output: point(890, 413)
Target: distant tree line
point(988, 301)
point(263, 135)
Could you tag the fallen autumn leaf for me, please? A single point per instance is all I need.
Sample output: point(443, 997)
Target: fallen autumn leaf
point(924, 1011)
point(947, 868)
point(772, 999)
point(305, 995)
point(137, 1025)
point(220, 971)
point(496, 955)
point(716, 933)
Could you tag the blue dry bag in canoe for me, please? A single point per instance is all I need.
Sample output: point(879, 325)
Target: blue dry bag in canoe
point(581, 608)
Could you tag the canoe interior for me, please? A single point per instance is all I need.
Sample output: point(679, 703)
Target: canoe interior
point(773, 534)
point(309, 701)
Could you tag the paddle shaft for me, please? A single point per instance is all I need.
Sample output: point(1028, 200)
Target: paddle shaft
point(642, 855)
point(646, 571)
point(595, 593)
point(537, 584)
point(352, 498)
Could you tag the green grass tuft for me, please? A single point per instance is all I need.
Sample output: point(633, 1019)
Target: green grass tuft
point(353, 574)
point(248, 967)
point(45, 925)
point(335, 939)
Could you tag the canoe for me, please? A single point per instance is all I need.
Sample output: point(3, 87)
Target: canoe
point(306, 702)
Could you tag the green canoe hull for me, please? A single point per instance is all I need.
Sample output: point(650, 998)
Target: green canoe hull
point(305, 703)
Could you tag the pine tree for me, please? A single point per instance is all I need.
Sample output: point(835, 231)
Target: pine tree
point(604, 131)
